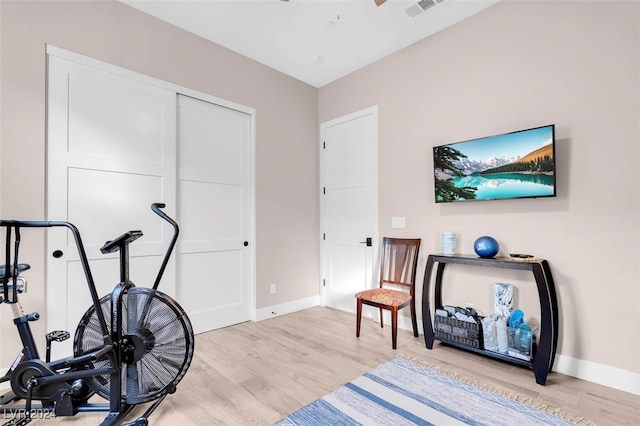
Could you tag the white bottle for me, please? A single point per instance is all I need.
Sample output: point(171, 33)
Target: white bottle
point(448, 243)
point(501, 334)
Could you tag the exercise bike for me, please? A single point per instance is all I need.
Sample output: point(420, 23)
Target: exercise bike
point(132, 346)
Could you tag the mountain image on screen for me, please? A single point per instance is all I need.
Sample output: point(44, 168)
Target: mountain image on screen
point(513, 165)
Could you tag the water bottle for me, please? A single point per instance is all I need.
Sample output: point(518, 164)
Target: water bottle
point(448, 243)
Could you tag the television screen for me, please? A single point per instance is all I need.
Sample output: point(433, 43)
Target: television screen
point(512, 165)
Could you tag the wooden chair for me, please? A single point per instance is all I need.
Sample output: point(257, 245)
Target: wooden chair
point(398, 262)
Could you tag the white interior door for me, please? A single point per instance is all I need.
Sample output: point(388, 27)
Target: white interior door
point(349, 206)
point(111, 154)
point(214, 174)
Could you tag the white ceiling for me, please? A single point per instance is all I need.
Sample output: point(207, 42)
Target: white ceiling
point(315, 41)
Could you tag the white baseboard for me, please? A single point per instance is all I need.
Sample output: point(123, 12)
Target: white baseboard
point(601, 374)
point(286, 308)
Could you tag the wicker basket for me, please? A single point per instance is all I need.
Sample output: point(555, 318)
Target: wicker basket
point(448, 329)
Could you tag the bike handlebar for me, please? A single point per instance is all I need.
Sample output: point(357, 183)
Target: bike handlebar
point(17, 224)
point(176, 230)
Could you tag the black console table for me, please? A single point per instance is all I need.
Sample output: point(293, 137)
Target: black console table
point(546, 350)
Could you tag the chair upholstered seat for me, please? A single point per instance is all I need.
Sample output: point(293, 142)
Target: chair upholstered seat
point(385, 296)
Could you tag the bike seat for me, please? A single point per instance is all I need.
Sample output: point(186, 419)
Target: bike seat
point(126, 238)
point(21, 267)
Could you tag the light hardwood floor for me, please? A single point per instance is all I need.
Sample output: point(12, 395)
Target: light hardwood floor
point(258, 373)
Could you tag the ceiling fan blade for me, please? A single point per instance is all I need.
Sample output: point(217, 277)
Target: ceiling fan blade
point(379, 2)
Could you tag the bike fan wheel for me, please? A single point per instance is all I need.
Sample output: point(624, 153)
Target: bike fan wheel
point(156, 346)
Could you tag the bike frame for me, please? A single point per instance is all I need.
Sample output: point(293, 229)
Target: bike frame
point(73, 368)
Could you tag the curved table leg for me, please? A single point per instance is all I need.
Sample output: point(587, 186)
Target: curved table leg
point(427, 326)
point(543, 359)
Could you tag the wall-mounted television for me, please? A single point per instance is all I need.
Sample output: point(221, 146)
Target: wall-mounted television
point(519, 164)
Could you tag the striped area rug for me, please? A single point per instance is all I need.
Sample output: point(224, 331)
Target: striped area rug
point(400, 392)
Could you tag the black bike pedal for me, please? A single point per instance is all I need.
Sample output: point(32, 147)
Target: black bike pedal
point(58, 336)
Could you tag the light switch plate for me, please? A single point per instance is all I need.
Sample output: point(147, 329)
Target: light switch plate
point(398, 222)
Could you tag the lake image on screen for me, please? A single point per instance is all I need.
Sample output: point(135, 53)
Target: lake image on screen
point(512, 165)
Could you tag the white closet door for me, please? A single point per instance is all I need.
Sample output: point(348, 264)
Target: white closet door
point(214, 175)
point(111, 153)
point(119, 141)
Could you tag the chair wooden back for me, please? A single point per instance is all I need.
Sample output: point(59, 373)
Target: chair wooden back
point(398, 262)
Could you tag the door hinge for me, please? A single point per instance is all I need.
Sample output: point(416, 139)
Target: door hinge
point(324, 236)
point(324, 190)
point(324, 282)
point(324, 145)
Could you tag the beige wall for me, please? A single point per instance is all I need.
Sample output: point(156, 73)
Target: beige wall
point(514, 66)
point(287, 246)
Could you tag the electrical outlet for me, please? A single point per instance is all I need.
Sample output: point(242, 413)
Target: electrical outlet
point(272, 288)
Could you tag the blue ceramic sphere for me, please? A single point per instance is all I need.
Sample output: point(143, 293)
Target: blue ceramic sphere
point(486, 246)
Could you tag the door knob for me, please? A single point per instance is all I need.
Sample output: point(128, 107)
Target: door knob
point(368, 242)
point(57, 254)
